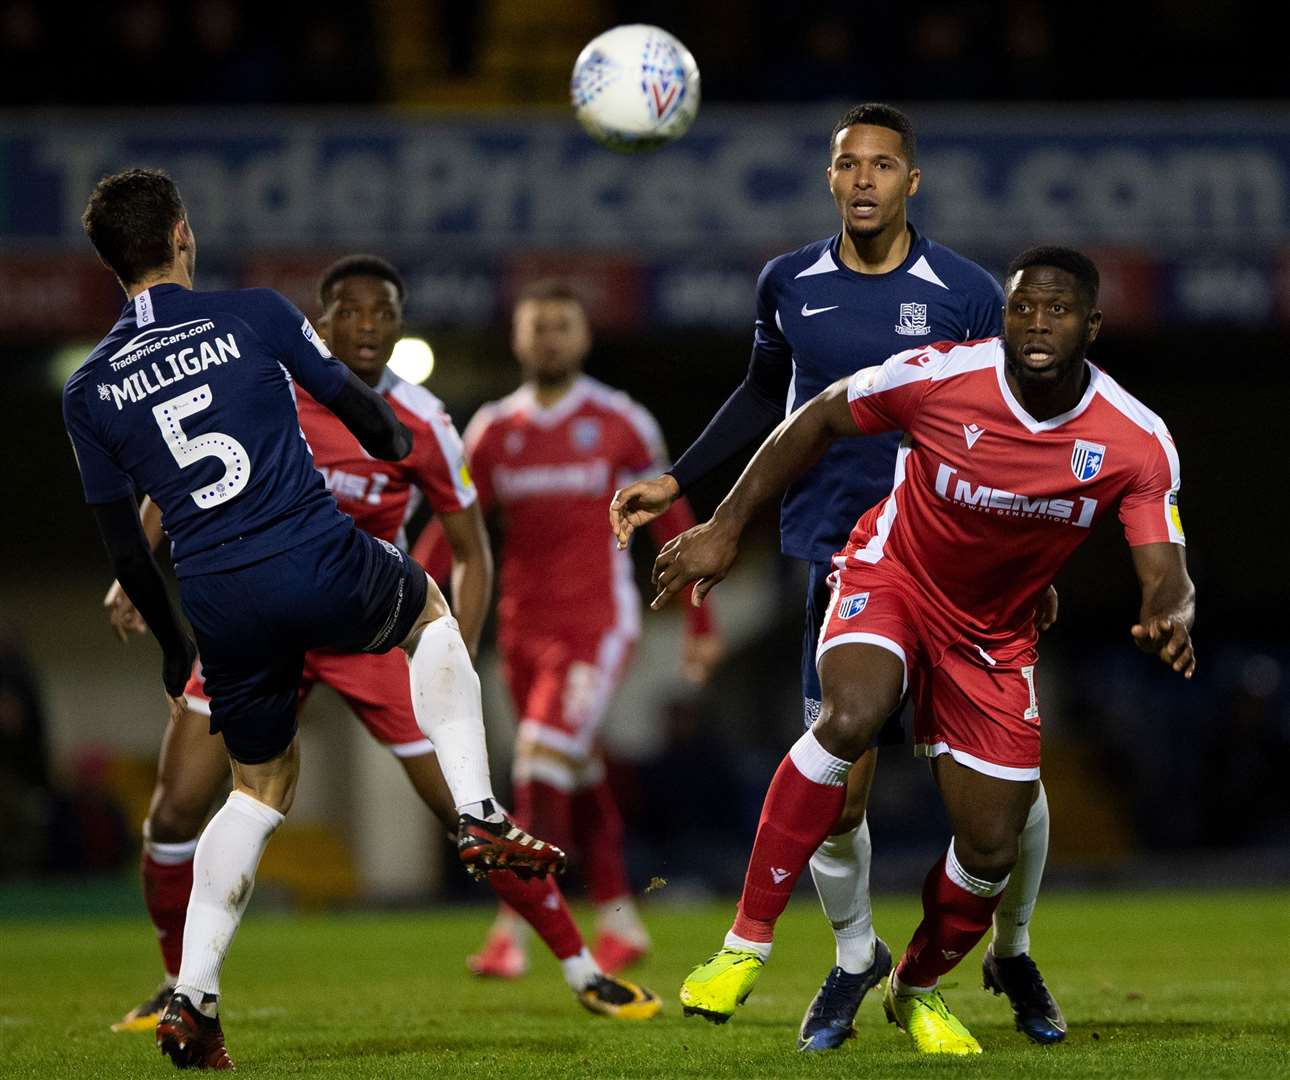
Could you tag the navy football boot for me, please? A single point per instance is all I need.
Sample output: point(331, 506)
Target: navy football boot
point(830, 1018)
point(1039, 1017)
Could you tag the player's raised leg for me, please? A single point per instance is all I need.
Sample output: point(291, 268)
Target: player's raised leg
point(191, 770)
point(449, 710)
point(862, 684)
point(960, 895)
point(1007, 967)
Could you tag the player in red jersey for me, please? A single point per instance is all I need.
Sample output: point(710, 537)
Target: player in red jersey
point(362, 299)
point(1014, 448)
point(547, 457)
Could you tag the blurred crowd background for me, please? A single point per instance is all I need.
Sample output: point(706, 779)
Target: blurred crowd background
point(438, 135)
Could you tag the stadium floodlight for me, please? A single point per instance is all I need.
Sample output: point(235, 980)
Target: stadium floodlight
point(412, 359)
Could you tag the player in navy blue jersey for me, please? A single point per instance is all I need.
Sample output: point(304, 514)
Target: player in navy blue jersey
point(190, 399)
point(875, 288)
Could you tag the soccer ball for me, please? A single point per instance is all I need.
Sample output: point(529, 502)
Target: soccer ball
point(635, 88)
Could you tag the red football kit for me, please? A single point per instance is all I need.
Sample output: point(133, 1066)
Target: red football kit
point(380, 496)
point(568, 608)
point(987, 504)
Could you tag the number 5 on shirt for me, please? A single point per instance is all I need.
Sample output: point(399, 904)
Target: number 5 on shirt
point(186, 451)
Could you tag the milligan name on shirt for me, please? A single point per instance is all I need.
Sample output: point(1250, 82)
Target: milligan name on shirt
point(169, 370)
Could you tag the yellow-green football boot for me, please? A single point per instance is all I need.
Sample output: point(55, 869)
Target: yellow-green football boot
point(718, 986)
point(929, 1022)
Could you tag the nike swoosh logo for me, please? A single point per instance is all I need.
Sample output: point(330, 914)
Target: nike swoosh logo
point(807, 312)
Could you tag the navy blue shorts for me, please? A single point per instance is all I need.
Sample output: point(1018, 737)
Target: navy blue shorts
point(817, 604)
point(343, 590)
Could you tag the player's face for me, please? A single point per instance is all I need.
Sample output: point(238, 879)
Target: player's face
point(1048, 324)
point(551, 339)
point(362, 323)
point(870, 179)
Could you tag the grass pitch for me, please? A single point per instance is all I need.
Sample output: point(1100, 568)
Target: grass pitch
point(1154, 984)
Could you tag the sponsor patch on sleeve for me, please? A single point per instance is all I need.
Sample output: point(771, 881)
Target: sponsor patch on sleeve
point(311, 336)
point(1175, 519)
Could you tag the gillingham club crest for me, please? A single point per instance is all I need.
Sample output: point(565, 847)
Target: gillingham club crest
point(1086, 459)
point(851, 606)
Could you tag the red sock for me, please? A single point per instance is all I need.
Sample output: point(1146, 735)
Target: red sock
point(954, 920)
point(804, 800)
point(540, 903)
point(545, 811)
point(599, 827)
point(165, 891)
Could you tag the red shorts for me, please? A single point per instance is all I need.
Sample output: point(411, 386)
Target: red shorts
point(978, 706)
point(374, 685)
point(562, 687)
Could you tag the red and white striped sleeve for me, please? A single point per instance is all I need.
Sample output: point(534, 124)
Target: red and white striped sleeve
point(886, 397)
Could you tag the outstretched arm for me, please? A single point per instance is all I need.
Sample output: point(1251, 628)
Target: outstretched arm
point(137, 571)
point(371, 420)
point(705, 553)
point(1168, 605)
point(755, 407)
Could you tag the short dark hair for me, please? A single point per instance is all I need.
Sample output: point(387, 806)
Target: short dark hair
point(550, 289)
point(1075, 263)
point(359, 266)
point(879, 115)
point(129, 219)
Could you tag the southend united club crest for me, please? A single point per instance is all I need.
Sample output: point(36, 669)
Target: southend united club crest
point(913, 320)
point(1086, 459)
point(851, 606)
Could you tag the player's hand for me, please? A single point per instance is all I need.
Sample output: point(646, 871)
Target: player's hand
point(1165, 636)
point(123, 615)
point(1046, 612)
point(702, 554)
point(176, 667)
point(640, 503)
point(700, 655)
point(178, 707)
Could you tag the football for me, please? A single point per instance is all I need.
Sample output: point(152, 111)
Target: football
point(635, 88)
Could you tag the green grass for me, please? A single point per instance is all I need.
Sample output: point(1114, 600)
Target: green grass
point(1155, 984)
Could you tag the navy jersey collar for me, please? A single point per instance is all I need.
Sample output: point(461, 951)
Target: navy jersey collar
point(917, 249)
point(164, 289)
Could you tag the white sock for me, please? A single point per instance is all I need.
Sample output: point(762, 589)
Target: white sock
point(445, 698)
point(840, 869)
point(579, 970)
point(761, 948)
point(900, 988)
point(168, 854)
point(224, 866)
point(1012, 916)
point(620, 918)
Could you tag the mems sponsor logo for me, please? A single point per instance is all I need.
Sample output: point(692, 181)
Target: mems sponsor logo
point(149, 379)
point(982, 497)
point(580, 478)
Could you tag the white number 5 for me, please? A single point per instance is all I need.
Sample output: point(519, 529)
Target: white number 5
point(237, 466)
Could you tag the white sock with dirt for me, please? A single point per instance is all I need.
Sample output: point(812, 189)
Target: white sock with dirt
point(579, 970)
point(1012, 916)
point(840, 869)
point(448, 708)
point(228, 853)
